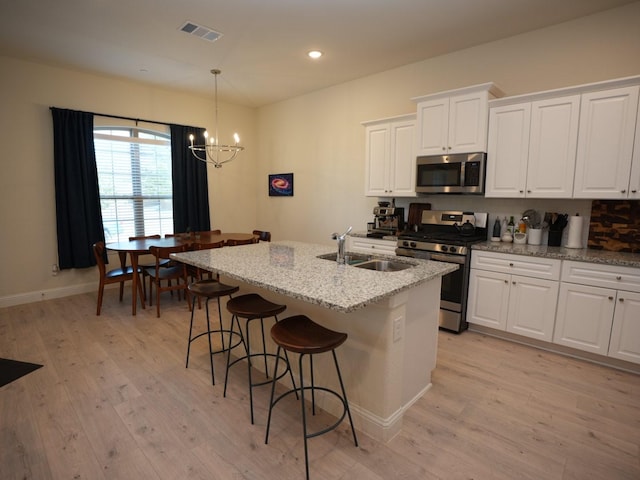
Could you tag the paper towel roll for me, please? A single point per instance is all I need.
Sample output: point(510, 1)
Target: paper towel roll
point(574, 236)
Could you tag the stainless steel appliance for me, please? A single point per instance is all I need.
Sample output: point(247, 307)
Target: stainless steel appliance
point(388, 220)
point(459, 173)
point(447, 236)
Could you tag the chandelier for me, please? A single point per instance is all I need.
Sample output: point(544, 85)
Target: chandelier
point(211, 151)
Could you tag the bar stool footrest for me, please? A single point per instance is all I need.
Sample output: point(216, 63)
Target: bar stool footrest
point(324, 389)
point(262, 355)
point(224, 349)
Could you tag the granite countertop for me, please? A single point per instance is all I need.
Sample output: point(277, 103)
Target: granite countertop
point(292, 269)
point(623, 259)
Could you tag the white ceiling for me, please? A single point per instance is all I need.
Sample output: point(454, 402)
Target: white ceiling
point(262, 53)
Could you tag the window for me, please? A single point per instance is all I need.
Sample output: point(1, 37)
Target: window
point(134, 176)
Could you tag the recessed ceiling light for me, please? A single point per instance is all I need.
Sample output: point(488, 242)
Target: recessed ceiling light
point(314, 54)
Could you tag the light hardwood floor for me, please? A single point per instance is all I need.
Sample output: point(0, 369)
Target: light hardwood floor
point(114, 401)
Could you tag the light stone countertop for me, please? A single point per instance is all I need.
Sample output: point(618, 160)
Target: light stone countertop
point(623, 259)
point(292, 269)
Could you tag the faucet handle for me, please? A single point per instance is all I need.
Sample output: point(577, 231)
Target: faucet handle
point(335, 236)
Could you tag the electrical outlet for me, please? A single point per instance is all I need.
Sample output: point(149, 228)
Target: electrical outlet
point(398, 323)
point(55, 269)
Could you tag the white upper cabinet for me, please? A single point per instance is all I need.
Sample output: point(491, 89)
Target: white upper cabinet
point(605, 147)
point(574, 142)
point(552, 147)
point(390, 157)
point(508, 153)
point(532, 148)
point(454, 121)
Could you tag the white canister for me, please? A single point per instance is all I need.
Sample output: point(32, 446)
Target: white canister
point(535, 236)
point(520, 238)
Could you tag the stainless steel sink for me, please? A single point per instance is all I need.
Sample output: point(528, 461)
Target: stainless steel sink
point(350, 258)
point(384, 265)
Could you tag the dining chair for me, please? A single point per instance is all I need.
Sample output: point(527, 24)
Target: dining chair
point(232, 242)
point(116, 275)
point(147, 264)
point(176, 271)
point(196, 273)
point(209, 232)
point(262, 235)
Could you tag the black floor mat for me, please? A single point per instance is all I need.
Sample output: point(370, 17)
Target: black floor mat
point(11, 370)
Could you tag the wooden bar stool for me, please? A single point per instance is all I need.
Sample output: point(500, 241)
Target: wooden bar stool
point(301, 335)
point(209, 289)
point(253, 307)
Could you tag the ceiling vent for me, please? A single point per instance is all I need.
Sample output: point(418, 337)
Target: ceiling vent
point(205, 33)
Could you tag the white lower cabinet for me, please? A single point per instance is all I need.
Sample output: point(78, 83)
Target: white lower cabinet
point(601, 313)
point(370, 245)
point(584, 318)
point(598, 305)
point(625, 332)
point(523, 302)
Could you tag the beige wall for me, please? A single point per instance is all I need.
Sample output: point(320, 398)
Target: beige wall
point(28, 241)
point(318, 137)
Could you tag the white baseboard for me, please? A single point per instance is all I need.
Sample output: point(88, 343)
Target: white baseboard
point(30, 297)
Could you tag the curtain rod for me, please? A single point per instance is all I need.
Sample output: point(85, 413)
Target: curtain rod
point(120, 117)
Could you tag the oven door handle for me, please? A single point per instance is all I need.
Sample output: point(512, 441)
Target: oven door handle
point(448, 258)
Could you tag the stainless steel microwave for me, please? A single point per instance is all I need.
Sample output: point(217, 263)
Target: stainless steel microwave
point(458, 173)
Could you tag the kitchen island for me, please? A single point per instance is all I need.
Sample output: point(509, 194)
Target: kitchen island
point(391, 319)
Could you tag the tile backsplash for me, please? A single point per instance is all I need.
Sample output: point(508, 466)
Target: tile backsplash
point(615, 225)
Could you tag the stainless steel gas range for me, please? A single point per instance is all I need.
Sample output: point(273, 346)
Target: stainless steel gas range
point(447, 236)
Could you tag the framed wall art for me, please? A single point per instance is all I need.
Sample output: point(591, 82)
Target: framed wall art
point(281, 185)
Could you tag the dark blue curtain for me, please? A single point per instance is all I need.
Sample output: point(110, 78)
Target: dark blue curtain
point(78, 213)
point(190, 186)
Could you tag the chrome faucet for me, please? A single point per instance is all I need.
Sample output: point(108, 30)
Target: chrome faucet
point(340, 239)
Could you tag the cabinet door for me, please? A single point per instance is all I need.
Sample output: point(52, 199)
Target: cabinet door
point(552, 147)
point(634, 180)
point(625, 333)
point(508, 151)
point(532, 307)
point(403, 159)
point(488, 299)
point(468, 119)
point(377, 158)
point(433, 126)
point(605, 143)
point(584, 317)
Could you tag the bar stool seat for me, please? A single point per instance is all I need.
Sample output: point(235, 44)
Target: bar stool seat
point(212, 289)
point(253, 307)
point(302, 335)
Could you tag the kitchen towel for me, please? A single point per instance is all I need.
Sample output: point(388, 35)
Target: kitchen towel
point(574, 237)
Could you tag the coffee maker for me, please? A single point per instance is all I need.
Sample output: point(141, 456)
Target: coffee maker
point(388, 220)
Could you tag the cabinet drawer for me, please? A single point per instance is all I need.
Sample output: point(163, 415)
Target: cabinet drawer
point(597, 275)
point(547, 268)
point(371, 245)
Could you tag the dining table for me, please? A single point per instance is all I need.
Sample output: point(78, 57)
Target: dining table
point(135, 248)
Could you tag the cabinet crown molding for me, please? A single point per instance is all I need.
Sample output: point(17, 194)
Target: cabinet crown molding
point(492, 88)
point(397, 118)
point(565, 91)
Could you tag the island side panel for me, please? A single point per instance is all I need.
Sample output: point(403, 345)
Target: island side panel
point(382, 376)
